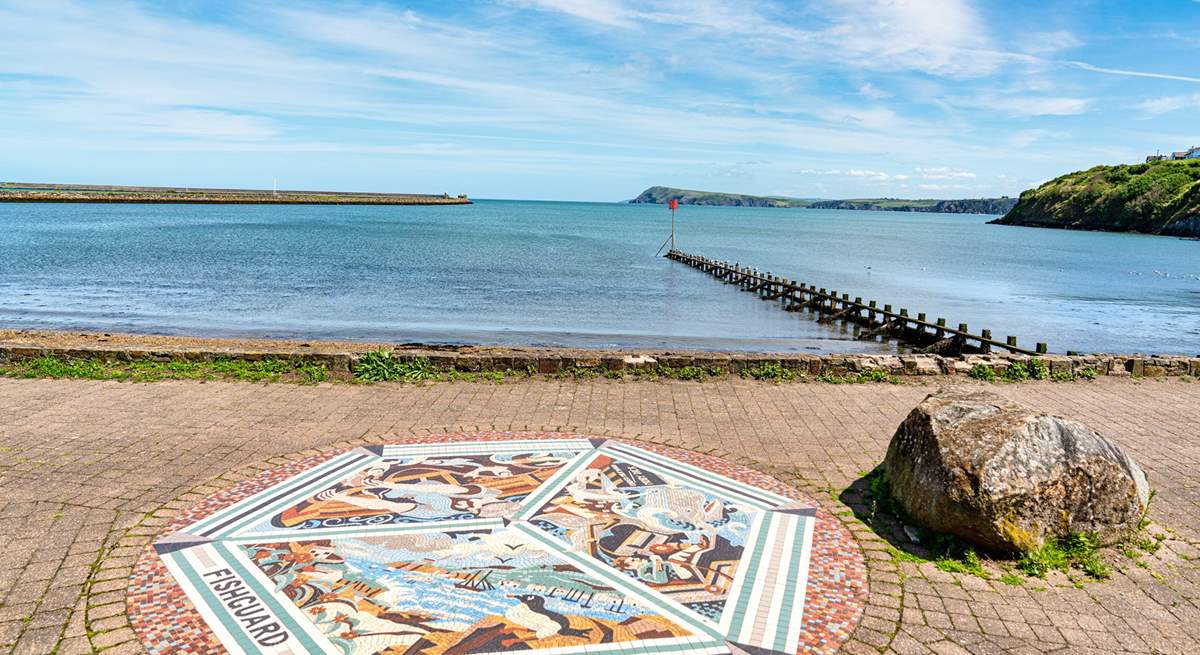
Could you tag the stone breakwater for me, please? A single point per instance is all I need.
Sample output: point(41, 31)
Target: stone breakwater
point(557, 361)
point(42, 192)
point(227, 199)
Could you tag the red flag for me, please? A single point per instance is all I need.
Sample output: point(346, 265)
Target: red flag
point(673, 204)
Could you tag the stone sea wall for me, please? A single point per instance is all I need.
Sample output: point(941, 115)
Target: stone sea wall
point(553, 361)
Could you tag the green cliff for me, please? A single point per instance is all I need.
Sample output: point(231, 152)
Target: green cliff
point(1156, 198)
point(661, 194)
point(964, 206)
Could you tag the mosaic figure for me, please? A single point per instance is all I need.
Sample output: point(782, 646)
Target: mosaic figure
point(425, 489)
point(578, 546)
point(681, 541)
point(446, 593)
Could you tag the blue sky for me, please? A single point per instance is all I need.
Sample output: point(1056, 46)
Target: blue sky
point(595, 100)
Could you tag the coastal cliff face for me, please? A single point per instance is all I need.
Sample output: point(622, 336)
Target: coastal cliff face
point(964, 206)
point(660, 195)
point(1155, 198)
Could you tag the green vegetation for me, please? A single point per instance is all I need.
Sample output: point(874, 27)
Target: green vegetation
point(383, 366)
point(1033, 369)
point(1076, 550)
point(947, 552)
point(1157, 198)
point(982, 372)
point(1013, 580)
point(661, 194)
point(965, 206)
point(379, 366)
point(859, 378)
point(770, 371)
point(150, 370)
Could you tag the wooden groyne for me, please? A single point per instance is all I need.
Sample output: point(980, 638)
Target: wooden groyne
point(874, 321)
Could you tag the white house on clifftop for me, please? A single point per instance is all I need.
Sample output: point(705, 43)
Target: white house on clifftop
point(1190, 153)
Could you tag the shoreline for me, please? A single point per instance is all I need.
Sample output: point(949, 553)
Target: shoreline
point(342, 356)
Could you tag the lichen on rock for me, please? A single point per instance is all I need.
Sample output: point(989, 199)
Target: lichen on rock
point(1006, 478)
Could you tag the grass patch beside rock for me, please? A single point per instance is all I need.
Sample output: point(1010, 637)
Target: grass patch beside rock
point(1076, 553)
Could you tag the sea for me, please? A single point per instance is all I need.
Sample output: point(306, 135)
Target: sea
point(577, 274)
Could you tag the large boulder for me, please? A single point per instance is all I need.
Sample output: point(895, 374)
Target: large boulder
point(1003, 477)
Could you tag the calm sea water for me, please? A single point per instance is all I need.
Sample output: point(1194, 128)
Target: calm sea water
point(578, 274)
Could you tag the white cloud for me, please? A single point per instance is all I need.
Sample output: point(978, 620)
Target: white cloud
point(940, 37)
point(1024, 105)
point(1131, 73)
point(606, 12)
point(943, 173)
point(1166, 104)
point(873, 92)
point(860, 174)
point(1045, 43)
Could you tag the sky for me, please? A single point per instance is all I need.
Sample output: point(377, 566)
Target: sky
point(595, 100)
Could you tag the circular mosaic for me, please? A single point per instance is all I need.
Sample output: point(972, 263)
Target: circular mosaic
point(489, 542)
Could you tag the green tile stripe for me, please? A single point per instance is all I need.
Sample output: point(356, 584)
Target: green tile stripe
point(748, 578)
point(619, 581)
point(788, 611)
point(298, 479)
point(212, 602)
point(534, 501)
point(741, 583)
point(268, 598)
point(640, 460)
point(782, 555)
point(370, 530)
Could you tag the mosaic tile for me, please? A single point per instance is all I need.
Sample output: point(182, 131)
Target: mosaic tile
point(488, 542)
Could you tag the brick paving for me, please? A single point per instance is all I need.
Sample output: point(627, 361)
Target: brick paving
point(91, 471)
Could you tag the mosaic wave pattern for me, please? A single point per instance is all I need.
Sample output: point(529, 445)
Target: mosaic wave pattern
point(468, 548)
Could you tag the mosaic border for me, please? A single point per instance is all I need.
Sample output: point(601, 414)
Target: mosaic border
point(167, 622)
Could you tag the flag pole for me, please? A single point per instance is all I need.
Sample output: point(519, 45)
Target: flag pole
point(673, 204)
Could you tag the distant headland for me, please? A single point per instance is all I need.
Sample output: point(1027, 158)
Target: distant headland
point(661, 194)
point(38, 192)
point(1158, 197)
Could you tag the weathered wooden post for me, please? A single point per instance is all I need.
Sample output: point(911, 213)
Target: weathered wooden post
point(984, 346)
point(941, 329)
point(1042, 349)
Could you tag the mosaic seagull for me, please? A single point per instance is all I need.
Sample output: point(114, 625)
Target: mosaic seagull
point(532, 614)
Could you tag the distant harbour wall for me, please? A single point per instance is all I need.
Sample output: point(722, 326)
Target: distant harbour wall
point(208, 200)
point(71, 193)
point(243, 199)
